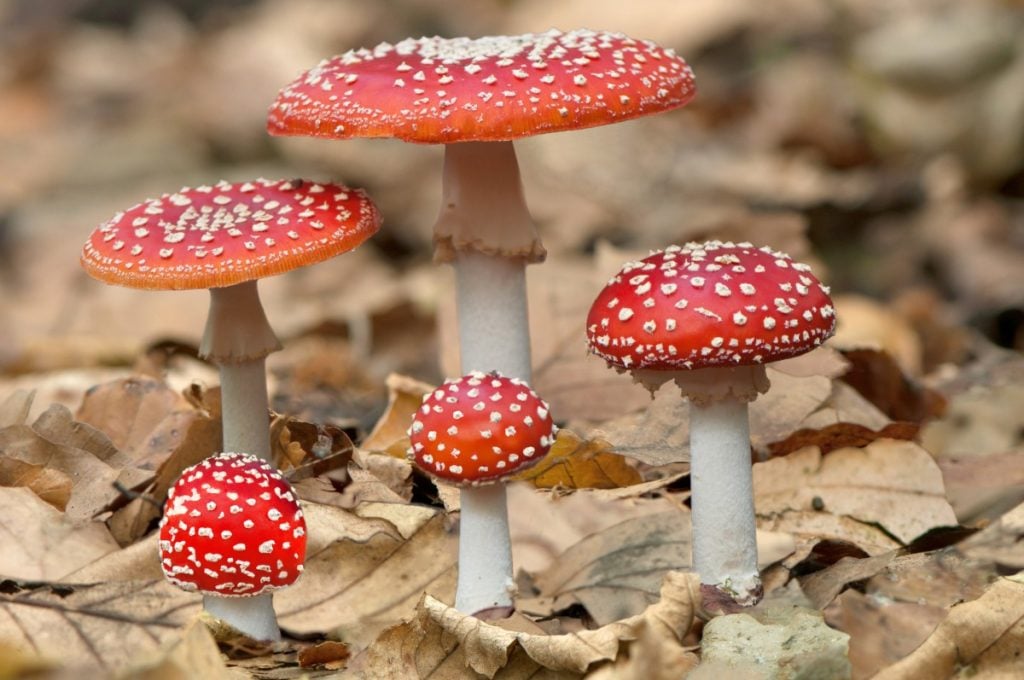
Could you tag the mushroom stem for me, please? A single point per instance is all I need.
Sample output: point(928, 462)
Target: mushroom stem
point(494, 327)
point(238, 338)
point(485, 551)
point(724, 538)
point(254, 616)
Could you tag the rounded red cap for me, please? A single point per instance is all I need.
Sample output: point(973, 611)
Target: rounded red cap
point(440, 90)
point(215, 236)
point(709, 304)
point(232, 526)
point(480, 428)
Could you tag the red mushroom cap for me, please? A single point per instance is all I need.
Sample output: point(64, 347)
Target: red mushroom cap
point(232, 526)
point(438, 90)
point(215, 236)
point(710, 304)
point(480, 428)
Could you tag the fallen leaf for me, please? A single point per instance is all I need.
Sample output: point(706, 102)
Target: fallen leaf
point(881, 631)
point(1000, 543)
point(894, 485)
point(617, 572)
point(653, 655)
point(105, 626)
point(15, 408)
point(823, 586)
point(421, 648)
point(983, 638)
point(876, 376)
point(574, 463)
point(362, 575)
point(194, 655)
point(840, 435)
point(42, 544)
point(981, 487)
point(389, 435)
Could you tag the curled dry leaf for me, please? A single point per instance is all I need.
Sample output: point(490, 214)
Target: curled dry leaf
point(389, 436)
point(617, 572)
point(364, 574)
point(42, 544)
point(981, 638)
point(422, 646)
point(840, 435)
point(823, 586)
point(574, 463)
point(102, 627)
point(865, 496)
point(1002, 542)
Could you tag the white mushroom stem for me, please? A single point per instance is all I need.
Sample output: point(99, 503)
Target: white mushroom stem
point(238, 338)
point(254, 616)
point(485, 229)
point(485, 551)
point(724, 539)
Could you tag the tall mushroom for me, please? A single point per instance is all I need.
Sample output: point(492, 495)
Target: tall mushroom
point(233, 531)
point(709, 317)
point(225, 237)
point(476, 96)
point(474, 432)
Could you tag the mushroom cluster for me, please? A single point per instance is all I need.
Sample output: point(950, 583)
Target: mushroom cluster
point(709, 317)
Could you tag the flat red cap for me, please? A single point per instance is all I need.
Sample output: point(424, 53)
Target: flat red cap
point(215, 236)
point(480, 428)
point(438, 90)
point(232, 526)
point(709, 304)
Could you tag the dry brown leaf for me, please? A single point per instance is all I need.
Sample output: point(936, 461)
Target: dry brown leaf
point(362, 576)
point(544, 524)
point(85, 455)
point(42, 544)
point(52, 486)
point(617, 572)
point(877, 377)
point(823, 586)
point(328, 654)
point(1000, 543)
point(574, 463)
point(194, 655)
point(840, 435)
point(15, 408)
point(422, 646)
point(389, 435)
point(893, 484)
point(983, 486)
point(136, 562)
point(652, 656)
point(105, 627)
point(881, 631)
point(983, 638)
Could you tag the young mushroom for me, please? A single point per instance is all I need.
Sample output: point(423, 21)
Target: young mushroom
point(476, 96)
point(225, 237)
point(474, 432)
point(233, 531)
point(709, 317)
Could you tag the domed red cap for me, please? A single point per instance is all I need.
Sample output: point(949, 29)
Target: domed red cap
point(438, 90)
point(215, 236)
point(232, 526)
point(710, 304)
point(480, 428)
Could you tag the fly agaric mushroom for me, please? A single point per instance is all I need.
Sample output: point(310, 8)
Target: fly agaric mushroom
point(233, 530)
point(224, 238)
point(476, 96)
point(709, 317)
point(474, 432)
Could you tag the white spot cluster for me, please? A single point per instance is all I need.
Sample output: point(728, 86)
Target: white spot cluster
point(480, 428)
point(232, 526)
point(442, 90)
point(709, 304)
point(228, 233)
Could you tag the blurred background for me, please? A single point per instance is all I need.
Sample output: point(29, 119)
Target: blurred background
point(880, 140)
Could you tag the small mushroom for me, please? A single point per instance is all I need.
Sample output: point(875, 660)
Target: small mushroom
point(709, 317)
point(225, 237)
point(475, 432)
point(233, 531)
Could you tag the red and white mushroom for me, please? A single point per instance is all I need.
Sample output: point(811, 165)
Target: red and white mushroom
point(225, 237)
point(474, 432)
point(709, 317)
point(233, 531)
point(476, 96)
